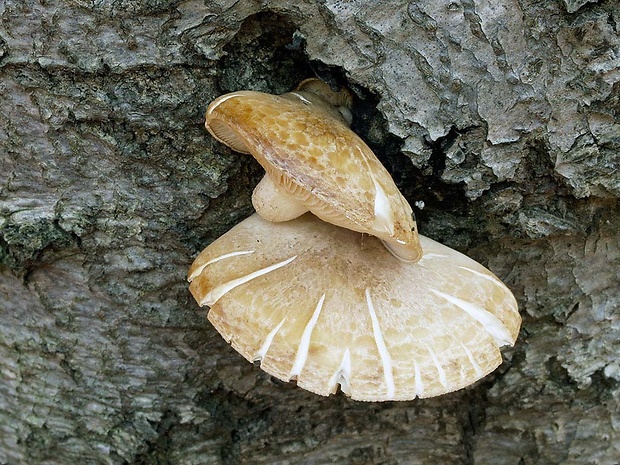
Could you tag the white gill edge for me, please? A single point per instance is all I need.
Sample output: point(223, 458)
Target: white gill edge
point(217, 259)
point(440, 370)
point(419, 384)
point(342, 375)
point(221, 100)
point(490, 322)
point(493, 279)
point(268, 340)
point(472, 360)
point(304, 344)
point(386, 358)
point(222, 289)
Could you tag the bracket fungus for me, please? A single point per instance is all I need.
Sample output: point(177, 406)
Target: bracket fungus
point(324, 302)
point(314, 162)
point(328, 306)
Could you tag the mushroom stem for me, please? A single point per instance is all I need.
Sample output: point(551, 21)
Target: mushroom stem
point(410, 252)
point(273, 204)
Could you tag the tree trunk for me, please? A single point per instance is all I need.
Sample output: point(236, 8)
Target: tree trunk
point(497, 119)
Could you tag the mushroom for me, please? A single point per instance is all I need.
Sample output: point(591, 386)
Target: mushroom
point(330, 307)
point(314, 162)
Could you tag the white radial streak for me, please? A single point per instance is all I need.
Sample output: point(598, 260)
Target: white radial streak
point(343, 374)
point(472, 360)
point(440, 371)
point(419, 384)
point(301, 97)
point(386, 359)
point(222, 289)
point(304, 344)
point(491, 323)
point(217, 259)
point(483, 275)
point(268, 340)
point(383, 210)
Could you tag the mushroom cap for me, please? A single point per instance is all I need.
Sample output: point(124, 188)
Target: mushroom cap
point(309, 152)
point(342, 98)
point(327, 306)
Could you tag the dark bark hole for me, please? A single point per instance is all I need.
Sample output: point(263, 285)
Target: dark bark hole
point(266, 55)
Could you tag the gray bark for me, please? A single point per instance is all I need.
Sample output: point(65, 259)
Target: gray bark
point(500, 116)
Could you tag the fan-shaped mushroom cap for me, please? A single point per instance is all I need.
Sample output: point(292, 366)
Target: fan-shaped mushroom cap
point(313, 161)
point(328, 307)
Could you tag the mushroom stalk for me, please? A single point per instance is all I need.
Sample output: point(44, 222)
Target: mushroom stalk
point(273, 204)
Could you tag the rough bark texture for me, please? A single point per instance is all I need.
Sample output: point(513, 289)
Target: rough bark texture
point(500, 116)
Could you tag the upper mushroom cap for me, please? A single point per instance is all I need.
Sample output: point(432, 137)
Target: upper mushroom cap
point(328, 307)
point(310, 153)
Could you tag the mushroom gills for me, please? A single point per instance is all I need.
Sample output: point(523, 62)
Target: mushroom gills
point(315, 304)
point(277, 201)
point(227, 136)
point(278, 198)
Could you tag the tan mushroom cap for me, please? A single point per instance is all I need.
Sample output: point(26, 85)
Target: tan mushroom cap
point(314, 162)
point(328, 306)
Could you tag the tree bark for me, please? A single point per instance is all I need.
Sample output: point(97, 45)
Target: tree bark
point(499, 122)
